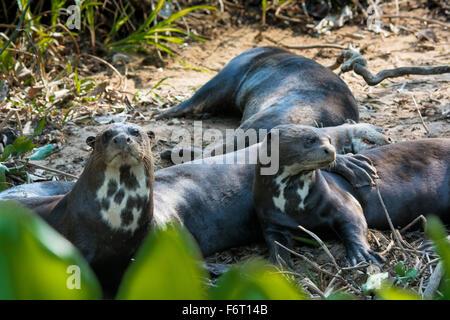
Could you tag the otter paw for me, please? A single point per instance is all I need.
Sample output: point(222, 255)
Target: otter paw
point(358, 254)
point(356, 169)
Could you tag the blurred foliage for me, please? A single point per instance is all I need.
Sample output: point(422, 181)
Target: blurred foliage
point(35, 259)
point(34, 262)
point(166, 267)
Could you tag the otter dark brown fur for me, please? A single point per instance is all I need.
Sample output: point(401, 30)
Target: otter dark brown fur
point(108, 212)
point(271, 86)
point(413, 180)
point(214, 201)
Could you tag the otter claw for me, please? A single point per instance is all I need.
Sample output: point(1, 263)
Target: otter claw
point(358, 255)
point(356, 169)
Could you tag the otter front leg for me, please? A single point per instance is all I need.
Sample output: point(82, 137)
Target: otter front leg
point(274, 233)
point(351, 227)
point(277, 254)
point(356, 169)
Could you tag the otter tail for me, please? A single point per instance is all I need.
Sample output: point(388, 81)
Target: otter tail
point(182, 109)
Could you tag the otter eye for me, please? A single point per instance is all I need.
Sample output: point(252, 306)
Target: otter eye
point(366, 141)
point(309, 141)
point(107, 135)
point(134, 132)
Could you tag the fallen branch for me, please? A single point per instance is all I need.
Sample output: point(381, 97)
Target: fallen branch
point(352, 60)
point(48, 169)
point(430, 21)
point(433, 283)
point(324, 247)
point(391, 225)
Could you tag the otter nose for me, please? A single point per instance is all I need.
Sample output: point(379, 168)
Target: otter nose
point(389, 140)
point(329, 150)
point(121, 140)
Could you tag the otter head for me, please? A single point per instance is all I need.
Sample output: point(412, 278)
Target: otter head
point(121, 174)
point(122, 144)
point(365, 136)
point(300, 148)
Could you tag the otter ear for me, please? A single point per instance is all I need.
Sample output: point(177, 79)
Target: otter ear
point(151, 135)
point(351, 121)
point(90, 141)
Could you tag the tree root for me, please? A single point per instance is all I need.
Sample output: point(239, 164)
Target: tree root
point(352, 60)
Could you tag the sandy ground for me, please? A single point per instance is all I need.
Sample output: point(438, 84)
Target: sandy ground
point(389, 105)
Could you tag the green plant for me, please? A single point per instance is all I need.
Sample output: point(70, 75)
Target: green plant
point(153, 35)
point(35, 260)
point(167, 266)
point(404, 275)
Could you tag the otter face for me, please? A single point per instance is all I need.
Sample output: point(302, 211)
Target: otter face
point(303, 148)
point(123, 196)
point(367, 136)
point(122, 144)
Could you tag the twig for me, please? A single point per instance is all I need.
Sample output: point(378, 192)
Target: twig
point(25, 53)
point(184, 20)
point(282, 17)
point(5, 121)
point(48, 169)
point(352, 60)
point(430, 21)
point(313, 46)
point(314, 265)
point(433, 283)
point(221, 5)
point(396, 236)
point(17, 28)
point(311, 286)
point(324, 247)
point(421, 217)
point(388, 248)
point(19, 123)
point(104, 62)
point(234, 5)
point(59, 25)
point(420, 115)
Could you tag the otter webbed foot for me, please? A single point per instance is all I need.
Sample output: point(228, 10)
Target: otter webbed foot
point(357, 253)
point(355, 168)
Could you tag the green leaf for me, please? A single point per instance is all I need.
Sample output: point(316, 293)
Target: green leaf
point(166, 267)
point(182, 13)
point(400, 269)
point(3, 170)
point(23, 145)
point(36, 262)
point(436, 232)
point(264, 5)
point(393, 293)
point(7, 152)
point(255, 280)
point(40, 127)
point(412, 273)
point(42, 152)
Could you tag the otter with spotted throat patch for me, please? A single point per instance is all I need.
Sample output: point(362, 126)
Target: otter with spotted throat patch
point(413, 180)
point(108, 212)
point(350, 137)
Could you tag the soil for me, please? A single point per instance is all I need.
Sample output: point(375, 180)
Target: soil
point(389, 105)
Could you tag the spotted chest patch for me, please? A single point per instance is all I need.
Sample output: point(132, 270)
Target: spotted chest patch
point(302, 184)
point(281, 181)
point(123, 195)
